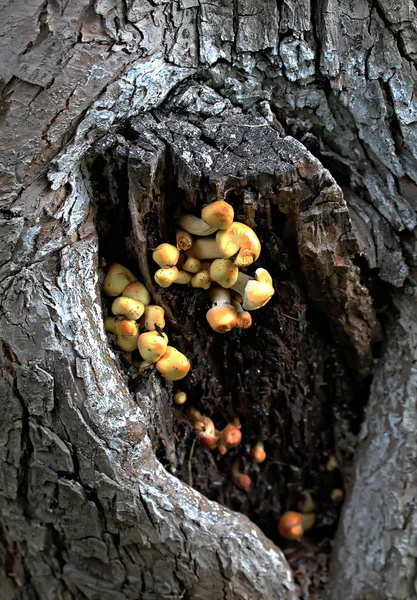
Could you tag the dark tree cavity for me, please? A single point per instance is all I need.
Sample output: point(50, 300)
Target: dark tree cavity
point(115, 118)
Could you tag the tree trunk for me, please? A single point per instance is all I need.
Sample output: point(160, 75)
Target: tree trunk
point(115, 119)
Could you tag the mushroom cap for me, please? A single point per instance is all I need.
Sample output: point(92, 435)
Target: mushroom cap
point(243, 481)
point(201, 279)
point(152, 345)
point(127, 333)
point(257, 294)
point(184, 239)
point(173, 365)
point(218, 214)
point(192, 265)
point(166, 276)
point(224, 272)
point(166, 255)
point(137, 291)
point(290, 525)
point(184, 277)
point(128, 307)
point(258, 455)
point(232, 436)
point(110, 324)
point(180, 397)
point(241, 242)
point(208, 441)
point(222, 318)
point(153, 315)
point(117, 278)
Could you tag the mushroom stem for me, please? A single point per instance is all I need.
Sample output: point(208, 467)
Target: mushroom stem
point(195, 225)
point(242, 280)
point(206, 248)
point(219, 296)
point(240, 479)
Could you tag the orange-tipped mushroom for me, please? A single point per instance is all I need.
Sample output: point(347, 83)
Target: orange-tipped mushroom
point(117, 278)
point(241, 242)
point(127, 333)
point(202, 279)
point(204, 428)
point(255, 293)
point(152, 345)
point(173, 365)
point(153, 316)
point(292, 525)
point(137, 291)
point(166, 255)
point(240, 479)
point(192, 265)
point(195, 225)
point(258, 453)
point(224, 272)
point(231, 436)
point(166, 276)
point(218, 214)
point(222, 317)
point(127, 307)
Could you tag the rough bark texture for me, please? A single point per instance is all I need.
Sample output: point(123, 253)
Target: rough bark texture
point(115, 117)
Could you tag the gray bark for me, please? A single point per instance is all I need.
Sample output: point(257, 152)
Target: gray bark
point(310, 108)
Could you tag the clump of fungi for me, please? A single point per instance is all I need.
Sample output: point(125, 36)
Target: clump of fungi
point(216, 260)
point(133, 312)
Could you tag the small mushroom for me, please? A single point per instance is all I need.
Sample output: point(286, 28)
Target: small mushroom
point(204, 428)
point(127, 307)
point(240, 479)
point(153, 316)
point(337, 495)
point(222, 316)
point(244, 319)
point(137, 291)
point(152, 345)
point(184, 239)
point(224, 272)
point(173, 365)
point(202, 279)
point(110, 324)
point(166, 255)
point(306, 503)
point(180, 397)
point(117, 278)
point(166, 276)
point(255, 293)
point(258, 454)
point(192, 265)
point(218, 214)
point(292, 525)
point(241, 242)
point(127, 333)
point(231, 436)
point(184, 278)
point(195, 225)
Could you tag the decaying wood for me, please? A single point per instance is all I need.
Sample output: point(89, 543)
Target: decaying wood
point(107, 109)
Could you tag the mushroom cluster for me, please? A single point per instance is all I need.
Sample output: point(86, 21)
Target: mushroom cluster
point(212, 263)
point(132, 311)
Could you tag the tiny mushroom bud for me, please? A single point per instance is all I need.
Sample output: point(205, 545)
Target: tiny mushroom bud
point(231, 436)
point(180, 397)
point(152, 345)
point(332, 463)
point(192, 265)
point(184, 239)
point(255, 293)
point(127, 333)
point(306, 503)
point(154, 315)
point(137, 291)
point(173, 365)
point(218, 214)
point(204, 427)
point(222, 317)
point(292, 525)
point(224, 272)
point(258, 453)
point(184, 277)
point(166, 276)
point(206, 248)
point(117, 278)
point(242, 480)
point(127, 307)
point(241, 242)
point(244, 319)
point(195, 225)
point(166, 255)
point(337, 495)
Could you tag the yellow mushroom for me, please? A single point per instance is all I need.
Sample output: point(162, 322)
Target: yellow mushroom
point(195, 225)
point(152, 345)
point(137, 291)
point(127, 307)
point(180, 397)
point(222, 316)
point(192, 265)
point(255, 293)
point(184, 239)
point(166, 276)
point(166, 255)
point(224, 272)
point(244, 319)
point(153, 316)
point(218, 214)
point(173, 365)
point(117, 278)
point(127, 333)
point(241, 242)
point(184, 277)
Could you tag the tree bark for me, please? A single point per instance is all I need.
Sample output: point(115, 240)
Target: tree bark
point(115, 118)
